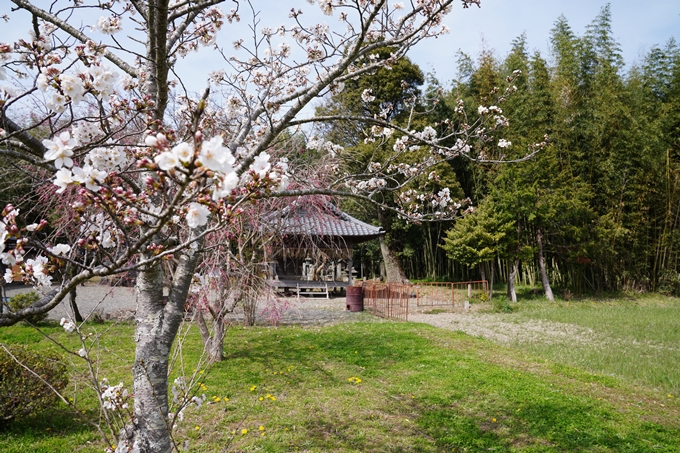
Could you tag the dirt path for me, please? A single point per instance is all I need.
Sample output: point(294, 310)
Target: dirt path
point(503, 329)
point(510, 330)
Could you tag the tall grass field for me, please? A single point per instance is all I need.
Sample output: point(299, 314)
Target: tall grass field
point(636, 339)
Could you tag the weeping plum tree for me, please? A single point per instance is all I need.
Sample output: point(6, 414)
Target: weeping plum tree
point(150, 172)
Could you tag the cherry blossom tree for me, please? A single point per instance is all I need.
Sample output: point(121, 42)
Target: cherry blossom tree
point(149, 170)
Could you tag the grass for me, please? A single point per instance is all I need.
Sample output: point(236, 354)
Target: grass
point(375, 386)
point(637, 339)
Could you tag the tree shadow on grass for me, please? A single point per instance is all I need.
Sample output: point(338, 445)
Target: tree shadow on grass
point(361, 348)
point(543, 426)
point(42, 430)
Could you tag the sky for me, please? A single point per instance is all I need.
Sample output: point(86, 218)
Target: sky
point(637, 26)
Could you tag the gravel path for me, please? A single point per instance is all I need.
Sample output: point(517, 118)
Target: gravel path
point(119, 303)
point(91, 298)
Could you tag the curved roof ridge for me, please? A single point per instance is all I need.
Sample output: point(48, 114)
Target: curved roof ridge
point(326, 220)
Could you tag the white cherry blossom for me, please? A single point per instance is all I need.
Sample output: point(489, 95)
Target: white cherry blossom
point(184, 152)
point(60, 150)
point(216, 157)
point(89, 176)
point(366, 95)
point(109, 25)
point(261, 164)
point(60, 249)
point(106, 239)
point(197, 215)
point(225, 186)
point(166, 160)
point(72, 86)
point(62, 179)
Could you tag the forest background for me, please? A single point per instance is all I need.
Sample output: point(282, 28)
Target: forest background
point(602, 201)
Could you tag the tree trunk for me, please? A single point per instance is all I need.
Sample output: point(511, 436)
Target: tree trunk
point(157, 322)
point(72, 299)
point(512, 295)
point(213, 343)
point(216, 351)
point(541, 267)
point(393, 271)
point(491, 271)
point(74, 307)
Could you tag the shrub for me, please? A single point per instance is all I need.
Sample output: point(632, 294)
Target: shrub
point(669, 283)
point(501, 305)
point(22, 393)
point(24, 300)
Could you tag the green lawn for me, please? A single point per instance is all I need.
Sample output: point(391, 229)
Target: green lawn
point(375, 386)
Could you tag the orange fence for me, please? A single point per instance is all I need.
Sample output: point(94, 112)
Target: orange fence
point(434, 294)
point(387, 300)
point(470, 291)
point(390, 300)
point(448, 294)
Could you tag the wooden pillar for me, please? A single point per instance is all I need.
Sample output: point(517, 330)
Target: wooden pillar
point(349, 265)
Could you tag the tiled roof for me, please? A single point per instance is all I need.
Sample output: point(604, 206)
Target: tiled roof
point(325, 220)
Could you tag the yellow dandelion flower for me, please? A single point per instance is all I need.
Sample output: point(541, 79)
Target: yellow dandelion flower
point(197, 428)
point(493, 420)
point(252, 389)
point(262, 434)
point(261, 398)
point(217, 400)
point(244, 431)
point(261, 428)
